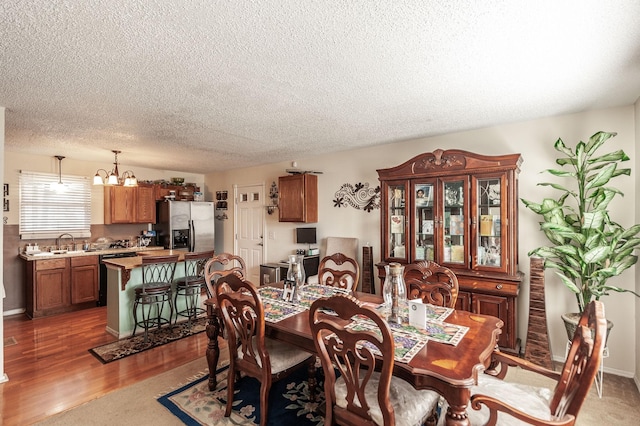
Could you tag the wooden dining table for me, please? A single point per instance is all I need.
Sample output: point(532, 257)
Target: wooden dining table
point(450, 370)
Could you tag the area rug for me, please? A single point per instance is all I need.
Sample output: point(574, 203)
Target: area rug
point(194, 404)
point(136, 344)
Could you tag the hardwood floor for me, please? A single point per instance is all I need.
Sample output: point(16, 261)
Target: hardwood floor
point(51, 370)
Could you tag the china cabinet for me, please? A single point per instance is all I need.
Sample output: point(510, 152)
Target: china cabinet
point(298, 198)
point(458, 209)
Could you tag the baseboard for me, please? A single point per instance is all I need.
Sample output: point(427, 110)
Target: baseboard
point(614, 371)
point(4, 378)
point(13, 312)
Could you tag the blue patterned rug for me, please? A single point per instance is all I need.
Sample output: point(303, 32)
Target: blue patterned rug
point(194, 404)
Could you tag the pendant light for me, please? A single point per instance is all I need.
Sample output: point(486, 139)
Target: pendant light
point(113, 177)
point(59, 186)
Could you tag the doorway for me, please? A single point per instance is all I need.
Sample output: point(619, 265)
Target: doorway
point(249, 228)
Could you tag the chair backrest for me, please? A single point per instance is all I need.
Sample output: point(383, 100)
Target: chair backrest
point(243, 316)
point(158, 269)
point(431, 282)
point(221, 265)
point(338, 270)
point(353, 353)
point(346, 245)
point(194, 263)
point(583, 361)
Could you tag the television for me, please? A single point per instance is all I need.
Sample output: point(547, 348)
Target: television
point(306, 235)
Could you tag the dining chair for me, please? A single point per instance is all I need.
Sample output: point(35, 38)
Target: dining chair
point(356, 391)
point(223, 264)
point(191, 285)
point(250, 352)
point(152, 296)
point(496, 401)
point(345, 245)
point(431, 282)
point(338, 270)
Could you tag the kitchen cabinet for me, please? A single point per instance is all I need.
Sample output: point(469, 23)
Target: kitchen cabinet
point(183, 192)
point(458, 209)
point(129, 204)
point(61, 285)
point(298, 198)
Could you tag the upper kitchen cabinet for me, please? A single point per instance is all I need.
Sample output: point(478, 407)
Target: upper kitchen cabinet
point(298, 198)
point(124, 204)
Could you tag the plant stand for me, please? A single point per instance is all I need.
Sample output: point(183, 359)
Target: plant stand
point(600, 376)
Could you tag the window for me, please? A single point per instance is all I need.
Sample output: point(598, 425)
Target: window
point(47, 213)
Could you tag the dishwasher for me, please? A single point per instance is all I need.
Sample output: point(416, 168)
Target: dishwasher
point(102, 290)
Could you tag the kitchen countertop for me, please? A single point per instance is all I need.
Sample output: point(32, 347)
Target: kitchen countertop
point(40, 256)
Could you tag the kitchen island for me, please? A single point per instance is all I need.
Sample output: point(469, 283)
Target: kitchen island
point(123, 275)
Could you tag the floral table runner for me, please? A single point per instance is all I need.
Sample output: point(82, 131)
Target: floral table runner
point(276, 309)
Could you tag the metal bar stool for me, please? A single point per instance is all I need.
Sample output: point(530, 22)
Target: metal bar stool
point(154, 293)
point(190, 286)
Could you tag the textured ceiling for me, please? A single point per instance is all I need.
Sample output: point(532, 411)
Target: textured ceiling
point(210, 85)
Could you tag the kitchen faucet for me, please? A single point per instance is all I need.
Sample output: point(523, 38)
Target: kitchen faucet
point(73, 241)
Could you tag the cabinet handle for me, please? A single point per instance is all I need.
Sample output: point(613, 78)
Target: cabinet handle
point(499, 286)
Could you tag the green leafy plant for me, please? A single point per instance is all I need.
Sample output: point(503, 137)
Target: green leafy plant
point(587, 247)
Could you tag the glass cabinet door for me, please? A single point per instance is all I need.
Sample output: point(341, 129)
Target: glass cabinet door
point(424, 225)
point(454, 199)
point(490, 193)
point(397, 221)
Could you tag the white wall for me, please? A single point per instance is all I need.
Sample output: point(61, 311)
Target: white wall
point(636, 175)
point(534, 140)
point(14, 162)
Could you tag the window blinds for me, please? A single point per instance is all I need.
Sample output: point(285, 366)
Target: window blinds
point(47, 212)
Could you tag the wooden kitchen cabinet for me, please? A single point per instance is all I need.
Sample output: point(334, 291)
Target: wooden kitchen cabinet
point(183, 192)
point(61, 285)
point(458, 209)
point(298, 198)
point(84, 279)
point(129, 204)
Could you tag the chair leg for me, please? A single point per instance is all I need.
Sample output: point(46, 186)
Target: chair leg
point(265, 386)
point(312, 379)
point(231, 373)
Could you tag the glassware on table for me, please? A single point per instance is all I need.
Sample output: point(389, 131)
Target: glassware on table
point(296, 274)
point(394, 292)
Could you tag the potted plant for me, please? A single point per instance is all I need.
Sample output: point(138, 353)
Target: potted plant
point(587, 246)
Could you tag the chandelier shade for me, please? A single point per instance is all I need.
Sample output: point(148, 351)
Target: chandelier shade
point(103, 177)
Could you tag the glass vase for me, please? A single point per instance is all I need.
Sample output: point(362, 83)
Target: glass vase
point(296, 273)
point(394, 292)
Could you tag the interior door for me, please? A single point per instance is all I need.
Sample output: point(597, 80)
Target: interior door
point(249, 220)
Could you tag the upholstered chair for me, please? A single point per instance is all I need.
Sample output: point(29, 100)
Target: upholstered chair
point(496, 401)
point(362, 394)
point(250, 352)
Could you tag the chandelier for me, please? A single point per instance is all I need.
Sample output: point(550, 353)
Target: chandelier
point(113, 177)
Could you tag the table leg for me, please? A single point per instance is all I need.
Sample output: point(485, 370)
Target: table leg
point(213, 351)
point(457, 408)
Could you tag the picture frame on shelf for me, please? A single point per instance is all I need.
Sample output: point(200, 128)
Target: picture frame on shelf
point(424, 196)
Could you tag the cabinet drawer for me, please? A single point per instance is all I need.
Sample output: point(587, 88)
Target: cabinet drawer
point(505, 288)
point(43, 265)
point(84, 260)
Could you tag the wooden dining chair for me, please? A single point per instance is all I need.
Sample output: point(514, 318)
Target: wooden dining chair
point(495, 401)
point(431, 282)
point(363, 394)
point(338, 270)
point(223, 264)
point(250, 352)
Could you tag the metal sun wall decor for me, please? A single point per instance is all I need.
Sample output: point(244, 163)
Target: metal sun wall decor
point(358, 196)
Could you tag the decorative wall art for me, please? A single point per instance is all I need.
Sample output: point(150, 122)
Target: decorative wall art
point(273, 196)
point(5, 204)
point(359, 196)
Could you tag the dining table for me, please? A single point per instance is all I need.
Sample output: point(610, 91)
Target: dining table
point(445, 357)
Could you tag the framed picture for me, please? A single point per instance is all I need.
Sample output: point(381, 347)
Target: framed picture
point(424, 197)
point(5, 206)
point(6, 189)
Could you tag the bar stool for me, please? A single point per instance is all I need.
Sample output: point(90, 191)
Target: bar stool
point(154, 293)
point(191, 285)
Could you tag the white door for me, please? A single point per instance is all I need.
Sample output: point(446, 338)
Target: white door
point(249, 222)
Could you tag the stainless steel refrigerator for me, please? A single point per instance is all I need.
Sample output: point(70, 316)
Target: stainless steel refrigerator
point(186, 225)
